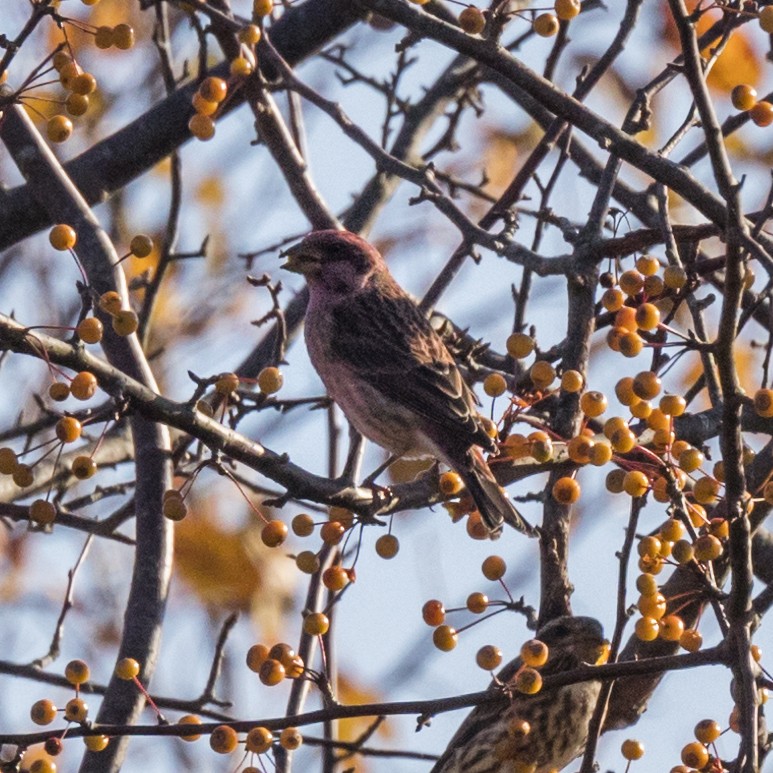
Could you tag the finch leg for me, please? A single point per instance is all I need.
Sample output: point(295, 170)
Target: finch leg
point(369, 481)
point(353, 458)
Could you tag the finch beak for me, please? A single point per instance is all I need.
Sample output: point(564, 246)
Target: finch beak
point(300, 260)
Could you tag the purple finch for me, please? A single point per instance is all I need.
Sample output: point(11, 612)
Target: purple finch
point(536, 733)
point(387, 368)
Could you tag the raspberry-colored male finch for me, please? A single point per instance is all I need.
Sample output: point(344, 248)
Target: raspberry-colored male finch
point(538, 733)
point(387, 368)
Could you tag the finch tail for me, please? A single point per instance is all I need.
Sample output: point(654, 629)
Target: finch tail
point(494, 507)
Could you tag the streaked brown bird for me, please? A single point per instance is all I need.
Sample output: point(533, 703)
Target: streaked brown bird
point(388, 370)
point(491, 739)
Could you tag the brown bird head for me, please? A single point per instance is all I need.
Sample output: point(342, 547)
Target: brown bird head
point(339, 261)
point(573, 641)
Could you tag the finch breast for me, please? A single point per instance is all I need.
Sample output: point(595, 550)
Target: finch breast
point(558, 732)
point(384, 421)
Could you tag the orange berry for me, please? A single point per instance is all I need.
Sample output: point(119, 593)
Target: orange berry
point(190, 719)
point(672, 405)
point(125, 322)
point(270, 380)
point(43, 712)
point(631, 282)
point(203, 106)
point(546, 25)
point(519, 345)
point(262, 7)
point(42, 512)
point(8, 461)
point(256, 656)
point(127, 669)
point(271, 672)
point(332, 532)
point(76, 672)
point(96, 743)
point(335, 578)
point(68, 429)
point(691, 640)
point(632, 749)
point(567, 9)
point(566, 491)
point(141, 246)
point(472, 20)
point(707, 730)
point(59, 391)
point(494, 385)
point(614, 481)
point(62, 237)
point(23, 476)
point(110, 302)
point(84, 83)
point(534, 653)
point(302, 525)
point(631, 344)
point(103, 37)
point(444, 638)
point(612, 299)
point(761, 114)
point(646, 385)
point(433, 612)
point(647, 316)
point(76, 104)
point(173, 507)
point(240, 67)
point(647, 585)
point(636, 483)
point(528, 681)
point(624, 391)
point(43, 765)
point(652, 606)
point(648, 546)
point(682, 551)
point(542, 374)
point(201, 126)
point(675, 277)
point(743, 97)
point(224, 740)
point(488, 657)
point(90, 330)
point(763, 403)
point(123, 36)
point(249, 35)
point(76, 710)
point(213, 89)
point(593, 403)
point(259, 740)
point(626, 319)
point(59, 128)
point(707, 548)
point(274, 533)
point(647, 265)
point(307, 561)
point(494, 568)
point(647, 629)
point(387, 546)
point(671, 628)
point(450, 483)
point(316, 624)
point(477, 603)
point(290, 738)
point(600, 454)
point(694, 755)
point(578, 449)
point(572, 381)
point(705, 490)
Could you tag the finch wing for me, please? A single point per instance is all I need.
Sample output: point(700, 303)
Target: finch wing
point(391, 345)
